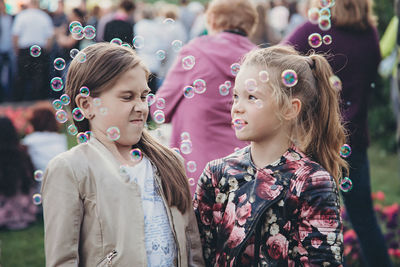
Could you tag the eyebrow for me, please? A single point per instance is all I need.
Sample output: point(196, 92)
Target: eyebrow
point(147, 90)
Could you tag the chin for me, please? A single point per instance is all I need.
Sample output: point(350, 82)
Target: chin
point(242, 137)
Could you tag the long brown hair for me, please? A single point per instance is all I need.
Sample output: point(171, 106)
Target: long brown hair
point(104, 64)
point(318, 129)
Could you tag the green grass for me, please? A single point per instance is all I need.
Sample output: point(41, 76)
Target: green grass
point(25, 248)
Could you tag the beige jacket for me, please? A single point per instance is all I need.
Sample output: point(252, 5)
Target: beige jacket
point(94, 217)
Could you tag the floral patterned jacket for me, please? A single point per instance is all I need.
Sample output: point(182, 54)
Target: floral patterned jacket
point(286, 214)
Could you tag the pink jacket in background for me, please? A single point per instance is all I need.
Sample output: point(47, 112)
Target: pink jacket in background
point(206, 117)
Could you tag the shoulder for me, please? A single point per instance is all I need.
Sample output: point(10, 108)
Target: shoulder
point(238, 159)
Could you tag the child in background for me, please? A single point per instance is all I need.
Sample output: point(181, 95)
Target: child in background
point(121, 199)
point(275, 202)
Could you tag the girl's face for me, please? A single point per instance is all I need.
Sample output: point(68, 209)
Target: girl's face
point(254, 107)
point(123, 107)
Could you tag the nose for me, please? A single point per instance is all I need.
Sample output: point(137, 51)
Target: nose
point(237, 107)
point(141, 106)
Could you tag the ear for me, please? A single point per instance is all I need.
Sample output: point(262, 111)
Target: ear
point(86, 105)
point(294, 109)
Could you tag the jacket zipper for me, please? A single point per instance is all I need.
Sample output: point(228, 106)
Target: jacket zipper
point(109, 257)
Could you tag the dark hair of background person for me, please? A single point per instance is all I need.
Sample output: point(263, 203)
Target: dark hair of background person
point(127, 5)
point(79, 13)
point(16, 168)
point(43, 120)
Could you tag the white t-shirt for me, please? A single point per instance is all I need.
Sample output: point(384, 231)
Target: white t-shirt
point(160, 242)
point(33, 27)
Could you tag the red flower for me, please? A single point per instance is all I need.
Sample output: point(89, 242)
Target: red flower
point(349, 236)
point(228, 220)
point(277, 246)
point(243, 213)
point(236, 237)
point(326, 221)
point(378, 196)
point(265, 182)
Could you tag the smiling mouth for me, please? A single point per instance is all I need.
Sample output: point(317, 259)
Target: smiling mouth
point(238, 124)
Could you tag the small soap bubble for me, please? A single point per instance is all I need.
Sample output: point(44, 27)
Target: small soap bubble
point(72, 130)
point(90, 32)
point(345, 151)
point(327, 39)
point(104, 111)
point(160, 103)
point(84, 91)
point(191, 166)
point(325, 3)
point(57, 104)
point(228, 84)
point(335, 82)
point(160, 54)
point(126, 45)
point(81, 57)
point(259, 103)
point(346, 184)
point(61, 116)
point(313, 15)
point(238, 124)
point(159, 116)
point(113, 133)
point(96, 102)
point(188, 91)
point(325, 12)
point(77, 29)
point(73, 52)
point(192, 182)
point(199, 86)
point(151, 99)
point(78, 35)
point(289, 78)
point(77, 114)
point(35, 51)
point(169, 21)
point(315, 40)
point(57, 84)
point(223, 90)
point(38, 175)
point(65, 99)
point(372, 85)
point(235, 67)
point(73, 25)
point(324, 23)
point(82, 138)
point(186, 147)
point(37, 199)
point(116, 41)
point(250, 85)
point(188, 62)
point(138, 42)
point(263, 76)
point(185, 136)
point(59, 63)
point(176, 45)
point(136, 154)
point(89, 134)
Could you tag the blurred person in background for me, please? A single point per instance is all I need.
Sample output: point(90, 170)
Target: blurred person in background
point(17, 210)
point(94, 16)
point(32, 26)
point(186, 15)
point(278, 17)
point(6, 54)
point(354, 55)
point(297, 15)
point(203, 118)
point(263, 35)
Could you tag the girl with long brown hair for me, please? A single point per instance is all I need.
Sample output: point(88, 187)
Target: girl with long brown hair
point(121, 198)
point(276, 202)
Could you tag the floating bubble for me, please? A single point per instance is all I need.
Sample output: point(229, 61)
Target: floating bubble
point(345, 151)
point(259, 103)
point(263, 76)
point(57, 104)
point(191, 166)
point(346, 184)
point(325, 3)
point(199, 86)
point(185, 136)
point(82, 138)
point(59, 63)
point(151, 99)
point(37, 199)
point(327, 39)
point(177, 45)
point(289, 78)
point(192, 182)
point(89, 134)
point(315, 40)
point(160, 103)
point(65, 99)
point(223, 90)
point(228, 84)
point(160, 54)
point(188, 91)
point(169, 21)
point(77, 114)
point(325, 12)
point(136, 154)
point(335, 82)
point(116, 41)
point(77, 29)
point(250, 85)
point(84, 91)
point(57, 84)
point(81, 57)
point(104, 111)
point(79, 35)
point(74, 24)
point(35, 51)
point(96, 102)
point(186, 147)
point(73, 52)
point(61, 116)
point(238, 124)
point(188, 62)
point(313, 15)
point(38, 175)
point(113, 133)
point(138, 42)
point(159, 116)
point(72, 130)
point(126, 45)
point(90, 32)
point(324, 23)
point(235, 67)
